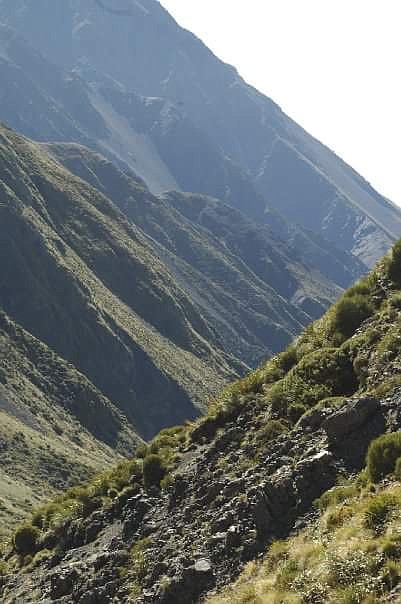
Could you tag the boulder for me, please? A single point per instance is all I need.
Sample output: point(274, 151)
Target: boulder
point(349, 418)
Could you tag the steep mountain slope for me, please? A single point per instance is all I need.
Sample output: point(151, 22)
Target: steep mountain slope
point(246, 475)
point(96, 288)
point(41, 100)
point(56, 428)
point(167, 100)
point(158, 311)
point(251, 286)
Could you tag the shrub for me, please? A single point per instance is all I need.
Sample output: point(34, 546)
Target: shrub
point(317, 376)
point(397, 471)
point(387, 386)
point(167, 482)
point(336, 496)
point(3, 569)
point(278, 551)
point(286, 574)
point(350, 312)
point(329, 366)
point(392, 549)
point(382, 455)
point(394, 265)
point(378, 510)
point(351, 595)
point(391, 574)
point(269, 431)
point(25, 539)
point(153, 471)
point(338, 517)
point(346, 569)
point(295, 411)
point(287, 359)
point(141, 451)
point(139, 558)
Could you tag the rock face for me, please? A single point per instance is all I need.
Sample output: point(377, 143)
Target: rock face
point(201, 531)
point(157, 99)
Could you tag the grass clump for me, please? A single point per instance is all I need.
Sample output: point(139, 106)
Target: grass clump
point(4, 570)
point(391, 548)
point(382, 455)
point(25, 539)
point(350, 312)
point(394, 264)
point(319, 375)
point(154, 471)
point(269, 431)
point(139, 559)
point(350, 554)
point(336, 496)
point(378, 510)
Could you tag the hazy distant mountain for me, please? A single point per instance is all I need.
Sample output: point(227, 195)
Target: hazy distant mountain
point(128, 81)
point(180, 117)
point(249, 285)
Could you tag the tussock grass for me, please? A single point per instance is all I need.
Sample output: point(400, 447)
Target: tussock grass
point(351, 554)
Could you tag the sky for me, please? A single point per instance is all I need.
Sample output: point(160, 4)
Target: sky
point(332, 65)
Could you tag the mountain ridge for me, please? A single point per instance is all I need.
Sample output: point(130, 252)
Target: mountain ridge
point(192, 110)
point(232, 485)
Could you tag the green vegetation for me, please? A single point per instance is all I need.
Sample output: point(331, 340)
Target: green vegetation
point(382, 455)
point(336, 357)
point(394, 264)
point(155, 467)
point(378, 509)
point(353, 549)
point(269, 431)
point(349, 314)
point(25, 539)
point(138, 558)
point(153, 471)
point(351, 554)
point(317, 376)
point(354, 559)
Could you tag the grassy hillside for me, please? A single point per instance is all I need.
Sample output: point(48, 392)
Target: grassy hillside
point(280, 455)
point(96, 289)
point(156, 302)
point(350, 554)
point(56, 428)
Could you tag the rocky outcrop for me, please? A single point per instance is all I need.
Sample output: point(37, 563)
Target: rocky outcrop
point(213, 518)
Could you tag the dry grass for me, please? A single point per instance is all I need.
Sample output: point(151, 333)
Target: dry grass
point(338, 562)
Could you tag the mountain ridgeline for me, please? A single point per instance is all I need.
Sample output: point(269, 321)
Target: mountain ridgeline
point(156, 99)
point(282, 451)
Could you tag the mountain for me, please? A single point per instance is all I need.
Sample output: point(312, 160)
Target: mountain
point(294, 470)
point(245, 277)
point(50, 104)
point(123, 312)
point(155, 98)
point(95, 288)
